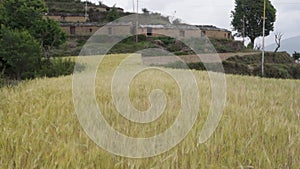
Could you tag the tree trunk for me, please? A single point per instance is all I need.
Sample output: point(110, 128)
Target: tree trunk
point(276, 49)
point(252, 40)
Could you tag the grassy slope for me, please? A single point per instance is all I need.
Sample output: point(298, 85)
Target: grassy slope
point(259, 128)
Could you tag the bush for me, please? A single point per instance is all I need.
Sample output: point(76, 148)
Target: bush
point(57, 67)
point(274, 71)
point(236, 68)
point(296, 56)
point(295, 71)
point(20, 53)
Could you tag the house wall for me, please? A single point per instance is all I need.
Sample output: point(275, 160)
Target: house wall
point(187, 33)
point(117, 30)
point(217, 34)
point(83, 30)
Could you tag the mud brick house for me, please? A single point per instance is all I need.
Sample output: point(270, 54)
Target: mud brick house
point(215, 32)
point(88, 28)
point(186, 31)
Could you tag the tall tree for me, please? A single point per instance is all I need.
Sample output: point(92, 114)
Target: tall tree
point(49, 35)
point(20, 53)
point(29, 15)
point(113, 14)
point(22, 23)
point(278, 37)
point(247, 18)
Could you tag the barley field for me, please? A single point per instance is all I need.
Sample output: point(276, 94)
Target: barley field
point(260, 126)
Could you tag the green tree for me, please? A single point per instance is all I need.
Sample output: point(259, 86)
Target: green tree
point(22, 14)
point(28, 15)
point(49, 35)
point(247, 18)
point(296, 56)
point(23, 23)
point(145, 11)
point(19, 53)
point(113, 14)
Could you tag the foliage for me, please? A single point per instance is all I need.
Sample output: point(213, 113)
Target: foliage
point(250, 12)
point(49, 34)
point(24, 34)
point(73, 48)
point(296, 56)
point(20, 53)
point(58, 67)
point(277, 65)
point(145, 11)
point(22, 14)
point(113, 14)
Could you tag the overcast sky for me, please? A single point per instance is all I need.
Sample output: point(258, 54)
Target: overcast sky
point(216, 12)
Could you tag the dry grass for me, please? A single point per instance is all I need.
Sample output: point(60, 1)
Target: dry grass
point(260, 127)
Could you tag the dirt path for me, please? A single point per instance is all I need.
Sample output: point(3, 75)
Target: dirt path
point(160, 60)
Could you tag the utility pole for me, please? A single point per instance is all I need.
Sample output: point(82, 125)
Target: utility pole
point(133, 5)
point(85, 11)
point(244, 29)
point(137, 21)
point(263, 41)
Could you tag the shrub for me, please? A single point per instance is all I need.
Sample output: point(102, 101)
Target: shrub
point(296, 56)
point(57, 67)
point(274, 71)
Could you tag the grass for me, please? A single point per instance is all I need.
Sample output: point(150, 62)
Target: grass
point(259, 128)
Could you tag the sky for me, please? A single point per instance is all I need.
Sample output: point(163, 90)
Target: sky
point(217, 12)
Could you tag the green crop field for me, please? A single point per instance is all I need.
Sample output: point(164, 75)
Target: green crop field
point(260, 126)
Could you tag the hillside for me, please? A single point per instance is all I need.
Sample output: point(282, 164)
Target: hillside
point(259, 127)
point(73, 6)
point(129, 45)
point(277, 65)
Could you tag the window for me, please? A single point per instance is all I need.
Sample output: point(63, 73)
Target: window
point(182, 33)
point(91, 30)
point(63, 18)
point(110, 31)
point(149, 31)
point(72, 30)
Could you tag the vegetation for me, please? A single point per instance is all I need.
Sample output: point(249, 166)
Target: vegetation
point(129, 45)
point(25, 35)
point(296, 56)
point(247, 18)
point(277, 65)
point(20, 54)
point(74, 6)
point(259, 127)
point(112, 14)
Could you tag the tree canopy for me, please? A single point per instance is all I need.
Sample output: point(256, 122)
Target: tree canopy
point(24, 34)
point(247, 18)
point(113, 14)
point(19, 52)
